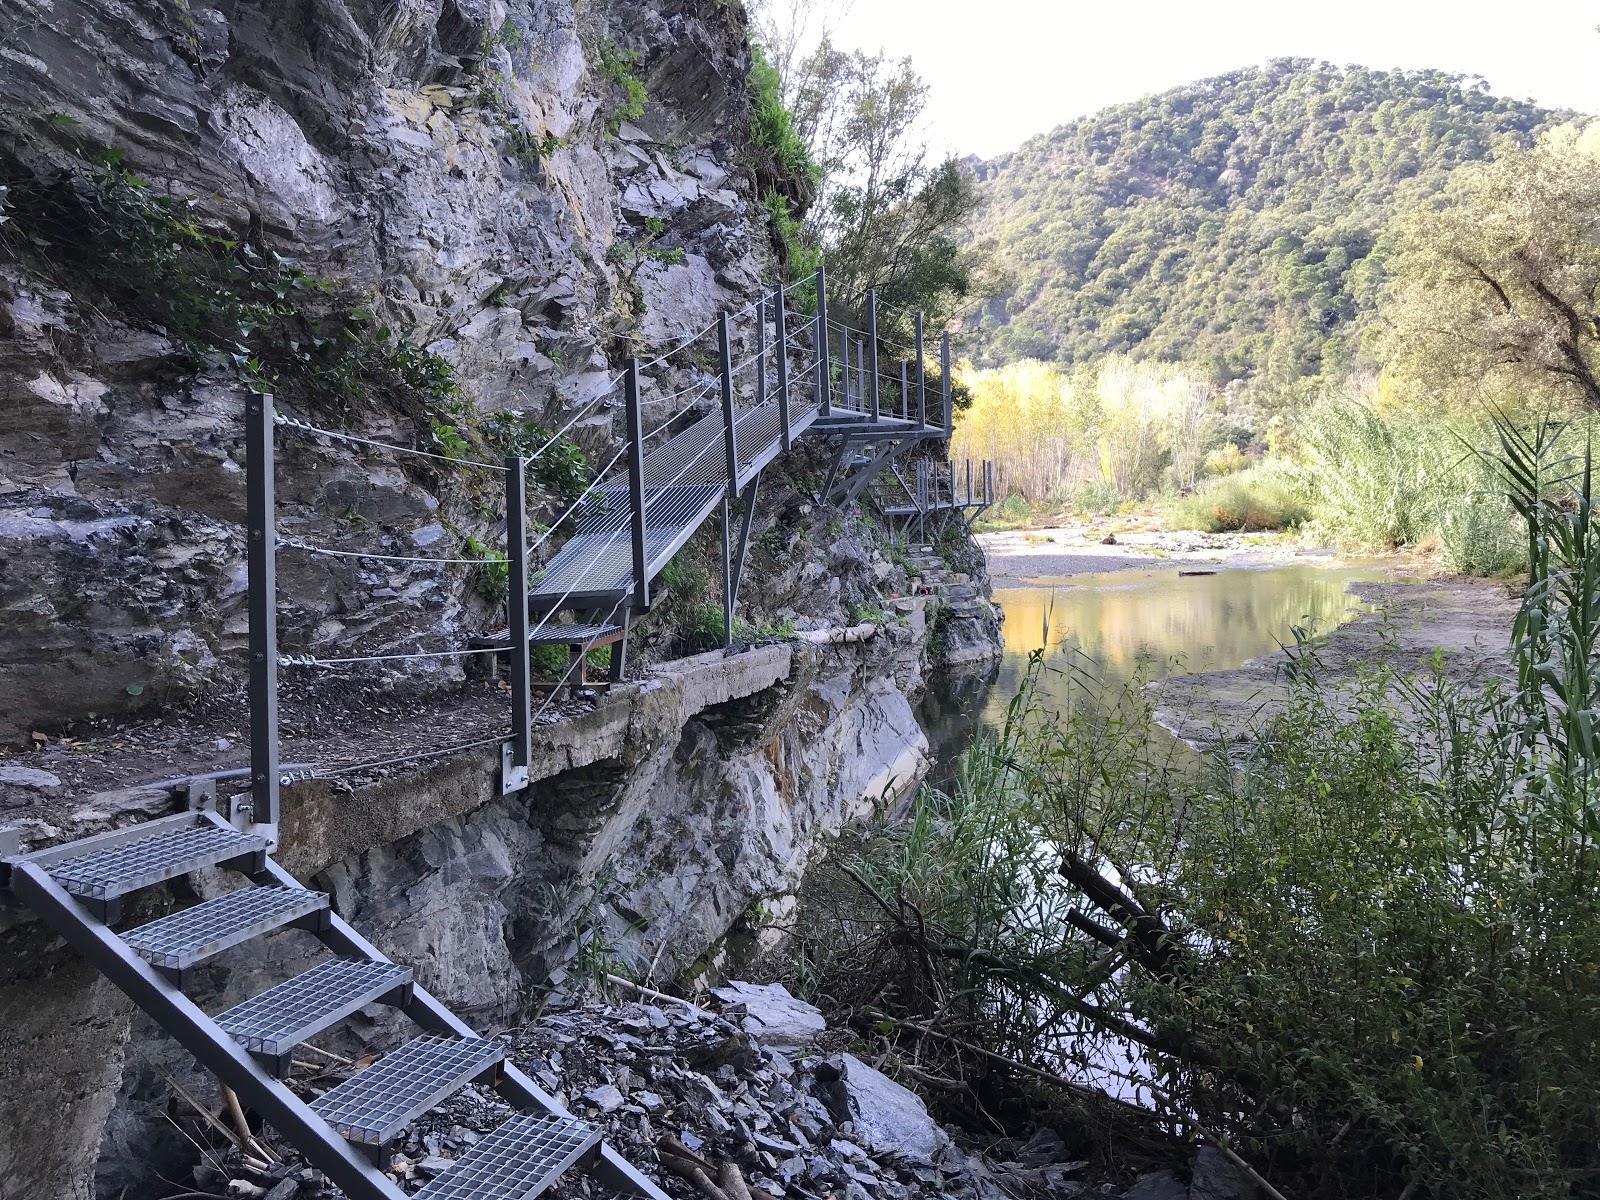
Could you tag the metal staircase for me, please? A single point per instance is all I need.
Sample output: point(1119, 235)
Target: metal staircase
point(77, 890)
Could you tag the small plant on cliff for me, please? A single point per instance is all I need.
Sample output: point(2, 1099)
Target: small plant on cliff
point(154, 259)
point(561, 467)
point(645, 251)
point(526, 148)
point(491, 574)
point(786, 173)
point(620, 68)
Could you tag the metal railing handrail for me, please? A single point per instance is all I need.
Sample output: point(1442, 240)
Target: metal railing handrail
point(789, 352)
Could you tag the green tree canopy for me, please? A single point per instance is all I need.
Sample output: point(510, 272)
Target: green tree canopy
point(1233, 224)
point(1496, 292)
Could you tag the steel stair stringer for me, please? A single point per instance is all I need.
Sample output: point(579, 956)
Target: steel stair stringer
point(528, 1153)
point(431, 1013)
point(185, 1021)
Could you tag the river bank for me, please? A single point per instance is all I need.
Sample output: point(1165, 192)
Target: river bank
point(1200, 621)
point(1092, 546)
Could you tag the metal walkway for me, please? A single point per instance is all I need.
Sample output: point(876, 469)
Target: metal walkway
point(76, 890)
point(684, 482)
point(626, 528)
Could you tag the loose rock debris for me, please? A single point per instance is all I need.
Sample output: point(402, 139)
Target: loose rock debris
point(709, 1106)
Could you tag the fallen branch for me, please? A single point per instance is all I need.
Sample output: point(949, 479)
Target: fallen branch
point(651, 994)
point(1096, 1096)
point(687, 1165)
point(732, 1182)
point(328, 1054)
point(1221, 1143)
point(247, 1140)
point(864, 632)
point(1150, 933)
point(1083, 1092)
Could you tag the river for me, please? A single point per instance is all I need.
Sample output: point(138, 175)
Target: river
point(1141, 624)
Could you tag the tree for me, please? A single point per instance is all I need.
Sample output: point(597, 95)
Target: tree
point(886, 217)
point(1496, 288)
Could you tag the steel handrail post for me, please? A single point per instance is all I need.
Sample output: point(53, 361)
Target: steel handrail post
point(635, 431)
point(261, 565)
point(519, 755)
point(782, 335)
point(729, 438)
point(922, 377)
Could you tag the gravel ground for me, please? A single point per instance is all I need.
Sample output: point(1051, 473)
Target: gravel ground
point(1017, 556)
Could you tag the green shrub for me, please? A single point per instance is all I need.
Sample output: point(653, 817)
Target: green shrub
point(1381, 481)
point(801, 256)
point(222, 296)
point(561, 467)
point(1360, 942)
point(772, 130)
point(1259, 498)
point(1226, 460)
point(620, 68)
point(491, 575)
point(1095, 497)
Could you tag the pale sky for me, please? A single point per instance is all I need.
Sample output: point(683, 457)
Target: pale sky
point(1004, 70)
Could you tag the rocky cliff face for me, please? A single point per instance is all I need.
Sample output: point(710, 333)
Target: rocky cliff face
point(480, 206)
point(406, 220)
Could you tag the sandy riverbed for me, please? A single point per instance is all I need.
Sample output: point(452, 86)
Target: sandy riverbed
point(1408, 617)
point(1017, 556)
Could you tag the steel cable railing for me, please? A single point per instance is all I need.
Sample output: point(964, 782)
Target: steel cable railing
point(676, 476)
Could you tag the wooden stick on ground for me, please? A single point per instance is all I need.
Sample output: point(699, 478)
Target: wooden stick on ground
point(651, 994)
point(248, 1141)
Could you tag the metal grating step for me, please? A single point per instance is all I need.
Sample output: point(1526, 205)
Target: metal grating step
point(573, 634)
point(517, 1161)
point(198, 933)
point(372, 1107)
point(104, 873)
point(281, 1017)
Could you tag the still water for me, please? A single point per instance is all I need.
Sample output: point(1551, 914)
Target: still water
point(1142, 625)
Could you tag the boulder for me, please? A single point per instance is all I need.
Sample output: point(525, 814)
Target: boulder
point(1215, 1178)
point(1158, 1185)
point(772, 1016)
point(886, 1117)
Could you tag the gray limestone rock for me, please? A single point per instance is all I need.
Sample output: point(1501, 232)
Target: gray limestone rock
point(772, 1016)
point(886, 1117)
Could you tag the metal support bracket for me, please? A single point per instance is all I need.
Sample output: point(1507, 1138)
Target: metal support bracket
point(833, 470)
point(747, 514)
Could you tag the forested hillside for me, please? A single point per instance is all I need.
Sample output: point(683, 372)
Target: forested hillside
point(1234, 224)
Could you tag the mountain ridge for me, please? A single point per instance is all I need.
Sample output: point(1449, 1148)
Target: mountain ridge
point(1234, 223)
